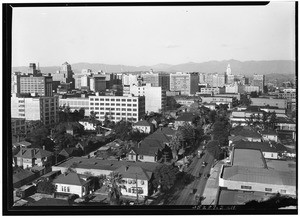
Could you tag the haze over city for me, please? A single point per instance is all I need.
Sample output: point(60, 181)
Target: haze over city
point(152, 35)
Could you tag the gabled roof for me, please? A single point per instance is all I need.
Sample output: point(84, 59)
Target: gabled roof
point(20, 174)
point(161, 137)
point(148, 147)
point(186, 117)
point(68, 151)
point(33, 153)
point(142, 123)
point(134, 172)
point(245, 131)
point(50, 202)
point(70, 179)
point(166, 130)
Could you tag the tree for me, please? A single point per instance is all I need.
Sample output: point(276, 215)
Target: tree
point(45, 187)
point(165, 177)
point(235, 102)
point(221, 132)
point(123, 129)
point(254, 94)
point(188, 133)
point(273, 119)
point(214, 149)
point(265, 120)
point(244, 100)
point(115, 186)
point(81, 113)
point(212, 116)
point(176, 143)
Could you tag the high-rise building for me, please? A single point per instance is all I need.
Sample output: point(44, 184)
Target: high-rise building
point(98, 83)
point(44, 109)
point(117, 108)
point(15, 82)
point(219, 80)
point(259, 80)
point(64, 75)
point(33, 71)
point(186, 83)
point(129, 79)
point(40, 85)
point(202, 78)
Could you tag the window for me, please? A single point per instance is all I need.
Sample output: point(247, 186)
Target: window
point(141, 157)
point(112, 99)
point(123, 99)
point(122, 114)
point(118, 109)
point(123, 109)
point(268, 189)
point(96, 103)
point(134, 114)
point(128, 109)
point(134, 100)
point(282, 191)
point(117, 104)
point(92, 103)
point(142, 182)
point(107, 99)
point(129, 100)
point(102, 104)
point(123, 104)
point(68, 189)
point(129, 105)
point(107, 104)
point(128, 114)
point(134, 109)
point(246, 187)
point(101, 99)
point(129, 190)
point(112, 104)
point(96, 99)
point(134, 105)
point(117, 99)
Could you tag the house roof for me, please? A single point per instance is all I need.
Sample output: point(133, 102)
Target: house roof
point(148, 147)
point(33, 153)
point(263, 146)
point(142, 123)
point(20, 174)
point(166, 130)
point(284, 120)
point(253, 109)
point(259, 175)
point(236, 138)
point(22, 143)
point(268, 132)
point(68, 151)
point(245, 132)
point(134, 172)
point(186, 117)
point(109, 165)
point(160, 136)
point(70, 179)
point(50, 202)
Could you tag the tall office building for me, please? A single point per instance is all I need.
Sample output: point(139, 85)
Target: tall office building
point(40, 85)
point(229, 76)
point(44, 109)
point(202, 78)
point(15, 82)
point(117, 108)
point(186, 83)
point(259, 80)
point(64, 75)
point(219, 80)
point(129, 79)
point(98, 83)
point(157, 80)
point(33, 71)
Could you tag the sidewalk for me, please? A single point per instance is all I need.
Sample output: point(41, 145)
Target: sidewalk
point(212, 185)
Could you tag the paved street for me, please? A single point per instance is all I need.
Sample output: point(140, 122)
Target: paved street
point(187, 196)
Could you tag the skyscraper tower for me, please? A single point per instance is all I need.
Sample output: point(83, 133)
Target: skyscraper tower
point(228, 70)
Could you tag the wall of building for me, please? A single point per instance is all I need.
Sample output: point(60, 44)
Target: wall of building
point(280, 103)
point(71, 189)
point(146, 158)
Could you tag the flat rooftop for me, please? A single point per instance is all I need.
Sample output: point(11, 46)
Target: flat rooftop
point(248, 158)
point(234, 197)
point(259, 175)
point(281, 165)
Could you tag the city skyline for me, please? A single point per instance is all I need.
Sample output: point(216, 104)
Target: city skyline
point(151, 35)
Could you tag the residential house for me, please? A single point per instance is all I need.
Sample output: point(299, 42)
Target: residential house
point(269, 135)
point(84, 146)
point(247, 133)
point(71, 183)
point(167, 131)
point(22, 144)
point(143, 126)
point(137, 171)
point(66, 153)
point(184, 118)
point(136, 181)
point(89, 125)
point(30, 157)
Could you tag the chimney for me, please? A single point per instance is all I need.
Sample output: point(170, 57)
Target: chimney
point(32, 152)
point(44, 147)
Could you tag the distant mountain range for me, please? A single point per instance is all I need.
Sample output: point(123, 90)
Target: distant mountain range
point(247, 68)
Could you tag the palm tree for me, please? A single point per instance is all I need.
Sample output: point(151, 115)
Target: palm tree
point(115, 186)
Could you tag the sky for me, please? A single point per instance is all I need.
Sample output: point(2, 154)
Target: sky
point(139, 36)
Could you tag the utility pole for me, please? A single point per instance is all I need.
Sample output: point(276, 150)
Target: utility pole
point(137, 194)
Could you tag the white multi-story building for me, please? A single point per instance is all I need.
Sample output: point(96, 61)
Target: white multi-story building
point(234, 88)
point(155, 97)
point(76, 104)
point(117, 108)
point(211, 90)
point(129, 79)
point(44, 109)
point(251, 88)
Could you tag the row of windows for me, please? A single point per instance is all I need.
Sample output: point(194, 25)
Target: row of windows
point(120, 118)
point(112, 99)
point(112, 109)
point(118, 114)
point(112, 104)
